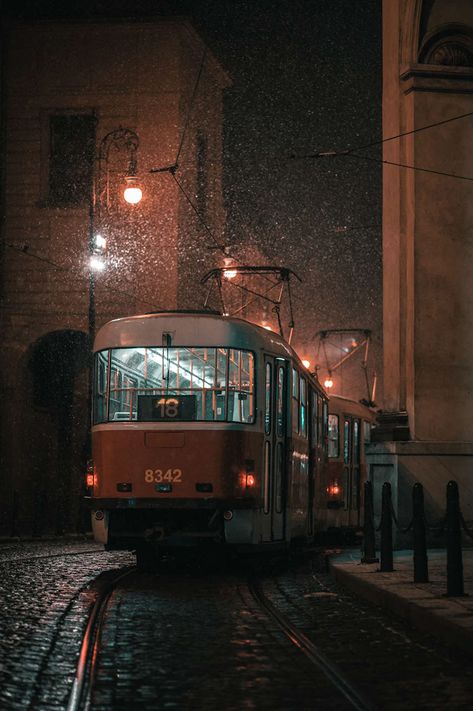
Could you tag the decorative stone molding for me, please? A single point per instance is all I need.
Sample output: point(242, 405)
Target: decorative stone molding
point(450, 46)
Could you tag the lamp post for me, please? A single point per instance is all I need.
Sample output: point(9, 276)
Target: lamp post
point(101, 197)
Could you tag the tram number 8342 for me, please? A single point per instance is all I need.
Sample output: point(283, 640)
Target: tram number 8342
point(156, 476)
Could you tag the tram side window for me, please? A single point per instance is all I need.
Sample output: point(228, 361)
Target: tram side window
point(346, 442)
point(333, 437)
point(366, 432)
point(313, 417)
point(295, 400)
point(101, 378)
point(116, 376)
point(356, 440)
point(280, 398)
point(303, 407)
point(267, 399)
point(320, 420)
point(240, 386)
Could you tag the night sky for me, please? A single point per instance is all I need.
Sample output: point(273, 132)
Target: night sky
point(306, 77)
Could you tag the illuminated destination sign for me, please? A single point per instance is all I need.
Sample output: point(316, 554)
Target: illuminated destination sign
point(166, 407)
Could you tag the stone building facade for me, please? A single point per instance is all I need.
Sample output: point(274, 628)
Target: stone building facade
point(68, 90)
point(427, 423)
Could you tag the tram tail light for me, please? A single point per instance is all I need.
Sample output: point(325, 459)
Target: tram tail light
point(334, 489)
point(250, 480)
point(90, 477)
point(334, 495)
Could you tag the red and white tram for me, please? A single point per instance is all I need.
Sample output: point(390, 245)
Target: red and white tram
point(206, 429)
point(339, 495)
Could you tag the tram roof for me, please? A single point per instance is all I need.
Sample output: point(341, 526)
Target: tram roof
point(341, 404)
point(192, 329)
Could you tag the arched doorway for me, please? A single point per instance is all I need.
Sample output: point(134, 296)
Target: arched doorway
point(58, 364)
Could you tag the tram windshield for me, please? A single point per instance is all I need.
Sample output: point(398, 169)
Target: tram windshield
point(157, 384)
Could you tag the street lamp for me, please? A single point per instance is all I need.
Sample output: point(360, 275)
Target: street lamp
point(101, 198)
point(121, 139)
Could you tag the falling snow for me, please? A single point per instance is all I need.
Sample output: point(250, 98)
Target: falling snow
point(305, 77)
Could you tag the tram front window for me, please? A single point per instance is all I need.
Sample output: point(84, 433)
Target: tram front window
point(182, 384)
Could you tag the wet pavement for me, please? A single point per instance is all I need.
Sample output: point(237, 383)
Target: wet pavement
point(191, 636)
point(424, 606)
point(45, 599)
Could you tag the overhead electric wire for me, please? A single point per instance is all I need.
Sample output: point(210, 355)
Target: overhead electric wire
point(201, 219)
point(348, 151)
point(414, 130)
point(77, 273)
point(189, 113)
point(410, 167)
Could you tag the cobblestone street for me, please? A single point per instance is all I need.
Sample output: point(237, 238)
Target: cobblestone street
point(45, 594)
point(192, 636)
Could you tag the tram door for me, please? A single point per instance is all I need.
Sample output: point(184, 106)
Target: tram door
point(351, 468)
point(274, 476)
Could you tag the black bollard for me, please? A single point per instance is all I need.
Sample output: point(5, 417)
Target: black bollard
point(421, 570)
point(454, 543)
point(386, 548)
point(369, 544)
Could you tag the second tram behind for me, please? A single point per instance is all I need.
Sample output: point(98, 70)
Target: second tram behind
point(339, 495)
point(206, 429)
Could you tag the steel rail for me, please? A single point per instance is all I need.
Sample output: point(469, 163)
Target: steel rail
point(32, 559)
point(311, 651)
point(80, 694)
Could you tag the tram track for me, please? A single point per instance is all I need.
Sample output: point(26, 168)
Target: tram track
point(88, 656)
point(32, 559)
point(310, 650)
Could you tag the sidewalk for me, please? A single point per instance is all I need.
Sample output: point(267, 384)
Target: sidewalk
point(423, 605)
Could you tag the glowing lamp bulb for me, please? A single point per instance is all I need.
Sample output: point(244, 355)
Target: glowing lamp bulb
point(306, 363)
point(132, 192)
point(100, 242)
point(250, 480)
point(96, 263)
point(328, 382)
point(229, 273)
